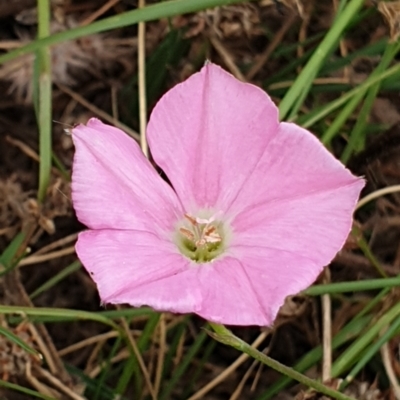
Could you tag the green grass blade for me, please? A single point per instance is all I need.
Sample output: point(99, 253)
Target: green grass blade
point(131, 367)
point(75, 266)
point(65, 317)
point(92, 385)
point(347, 358)
point(43, 69)
point(196, 375)
point(357, 136)
point(322, 112)
point(24, 390)
point(347, 333)
point(178, 331)
point(194, 348)
point(58, 312)
point(295, 96)
point(348, 110)
point(19, 342)
point(106, 369)
point(8, 257)
point(152, 12)
point(343, 287)
point(351, 330)
point(371, 351)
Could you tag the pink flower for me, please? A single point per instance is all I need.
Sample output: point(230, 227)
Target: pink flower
point(255, 209)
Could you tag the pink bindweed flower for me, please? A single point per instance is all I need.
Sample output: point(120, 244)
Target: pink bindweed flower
point(254, 210)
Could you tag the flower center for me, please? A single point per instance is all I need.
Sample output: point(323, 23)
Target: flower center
point(201, 239)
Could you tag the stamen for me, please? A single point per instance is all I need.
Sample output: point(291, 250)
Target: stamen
point(192, 220)
point(214, 238)
point(211, 235)
point(187, 233)
point(210, 230)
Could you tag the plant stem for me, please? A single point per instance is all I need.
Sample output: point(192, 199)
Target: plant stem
point(225, 336)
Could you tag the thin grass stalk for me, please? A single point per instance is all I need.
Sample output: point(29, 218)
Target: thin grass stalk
point(43, 68)
point(150, 13)
point(22, 389)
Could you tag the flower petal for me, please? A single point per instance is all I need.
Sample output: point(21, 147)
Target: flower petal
point(274, 275)
point(299, 199)
point(125, 264)
point(139, 268)
point(208, 133)
point(114, 186)
point(228, 295)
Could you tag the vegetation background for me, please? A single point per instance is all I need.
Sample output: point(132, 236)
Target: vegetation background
point(331, 66)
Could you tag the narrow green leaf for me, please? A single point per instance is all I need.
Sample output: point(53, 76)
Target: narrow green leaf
point(43, 61)
point(24, 390)
point(343, 287)
point(295, 96)
point(19, 342)
point(7, 258)
point(152, 12)
point(75, 266)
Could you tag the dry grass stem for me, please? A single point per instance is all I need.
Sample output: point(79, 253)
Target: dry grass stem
point(114, 103)
point(239, 389)
point(139, 358)
point(87, 342)
point(59, 385)
point(378, 193)
point(387, 363)
point(180, 349)
point(318, 81)
point(227, 57)
point(342, 46)
point(229, 370)
point(12, 44)
point(97, 111)
point(271, 47)
point(92, 368)
point(122, 355)
point(326, 330)
point(42, 348)
point(161, 353)
point(24, 148)
point(98, 13)
point(58, 243)
point(36, 259)
point(39, 386)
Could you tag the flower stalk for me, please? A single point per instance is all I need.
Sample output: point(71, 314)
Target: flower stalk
point(225, 336)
